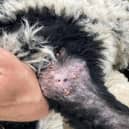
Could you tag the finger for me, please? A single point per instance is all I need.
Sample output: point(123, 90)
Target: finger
point(6, 57)
point(4, 53)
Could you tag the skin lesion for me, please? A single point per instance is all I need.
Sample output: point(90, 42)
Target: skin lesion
point(63, 78)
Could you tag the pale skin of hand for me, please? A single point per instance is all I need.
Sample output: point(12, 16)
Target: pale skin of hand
point(20, 95)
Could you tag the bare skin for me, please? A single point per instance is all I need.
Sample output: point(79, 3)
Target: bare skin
point(19, 91)
point(83, 102)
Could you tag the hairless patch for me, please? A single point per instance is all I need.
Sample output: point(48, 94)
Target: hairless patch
point(62, 78)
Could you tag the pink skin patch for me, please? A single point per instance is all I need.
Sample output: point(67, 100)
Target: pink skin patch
point(61, 79)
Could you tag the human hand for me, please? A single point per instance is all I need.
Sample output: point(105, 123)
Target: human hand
point(20, 95)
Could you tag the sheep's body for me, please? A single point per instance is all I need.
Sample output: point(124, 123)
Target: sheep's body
point(108, 19)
